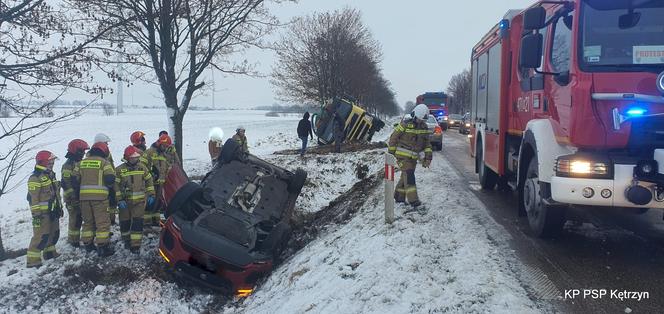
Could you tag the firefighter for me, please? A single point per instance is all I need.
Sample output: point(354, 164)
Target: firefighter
point(46, 208)
point(75, 153)
point(241, 139)
point(138, 140)
point(215, 142)
point(409, 139)
point(103, 138)
point(134, 190)
point(171, 152)
point(94, 178)
point(159, 163)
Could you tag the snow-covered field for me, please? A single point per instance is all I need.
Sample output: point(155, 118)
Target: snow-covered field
point(447, 260)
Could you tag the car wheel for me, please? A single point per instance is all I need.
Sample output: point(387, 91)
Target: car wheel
point(182, 196)
point(230, 151)
point(544, 220)
point(296, 182)
point(277, 240)
point(488, 178)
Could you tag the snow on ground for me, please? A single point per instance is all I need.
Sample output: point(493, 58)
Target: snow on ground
point(443, 261)
point(14, 214)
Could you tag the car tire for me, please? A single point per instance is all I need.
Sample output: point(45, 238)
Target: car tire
point(488, 178)
point(229, 152)
point(544, 220)
point(180, 199)
point(297, 181)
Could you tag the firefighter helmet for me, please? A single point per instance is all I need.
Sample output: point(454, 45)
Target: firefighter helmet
point(165, 140)
point(43, 157)
point(216, 134)
point(102, 147)
point(420, 112)
point(137, 138)
point(131, 152)
point(101, 137)
point(162, 132)
point(240, 128)
point(77, 146)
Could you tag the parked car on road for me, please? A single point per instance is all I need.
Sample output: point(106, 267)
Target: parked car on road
point(464, 127)
point(436, 133)
point(226, 232)
point(454, 120)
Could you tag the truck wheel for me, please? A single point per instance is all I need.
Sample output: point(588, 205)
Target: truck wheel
point(296, 182)
point(544, 220)
point(488, 178)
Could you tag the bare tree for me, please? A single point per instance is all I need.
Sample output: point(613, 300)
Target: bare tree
point(38, 48)
point(177, 40)
point(459, 90)
point(329, 55)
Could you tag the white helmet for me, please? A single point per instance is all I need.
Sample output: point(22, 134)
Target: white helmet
point(420, 111)
point(102, 138)
point(216, 134)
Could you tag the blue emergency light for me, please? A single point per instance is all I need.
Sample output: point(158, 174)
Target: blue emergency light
point(635, 112)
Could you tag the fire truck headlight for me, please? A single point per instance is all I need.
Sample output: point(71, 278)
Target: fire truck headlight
point(568, 166)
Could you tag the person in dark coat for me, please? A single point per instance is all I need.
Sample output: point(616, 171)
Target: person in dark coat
point(304, 132)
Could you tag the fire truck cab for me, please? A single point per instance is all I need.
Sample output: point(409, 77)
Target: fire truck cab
point(568, 107)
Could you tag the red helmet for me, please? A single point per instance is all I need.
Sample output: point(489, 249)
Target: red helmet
point(131, 152)
point(137, 138)
point(77, 146)
point(43, 157)
point(102, 147)
point(164, 139)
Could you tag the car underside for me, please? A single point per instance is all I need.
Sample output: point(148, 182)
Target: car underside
point(227, 232)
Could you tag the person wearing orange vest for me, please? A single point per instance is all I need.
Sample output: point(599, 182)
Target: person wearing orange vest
point(75, 152)
point(94, 178)
point(134, 190)
point(46, 209)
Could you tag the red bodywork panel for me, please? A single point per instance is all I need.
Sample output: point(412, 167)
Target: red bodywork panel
point(175, 180)
point(178, 253)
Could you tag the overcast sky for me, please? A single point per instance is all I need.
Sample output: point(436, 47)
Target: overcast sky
point(424, 43)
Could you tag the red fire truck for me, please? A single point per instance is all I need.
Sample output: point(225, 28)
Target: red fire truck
point(568, 107)
point(437, 104)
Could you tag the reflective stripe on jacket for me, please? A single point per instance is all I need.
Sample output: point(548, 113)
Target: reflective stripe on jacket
point(409, 139)
point(43, 191)
point(92, 174)
point(133, 182)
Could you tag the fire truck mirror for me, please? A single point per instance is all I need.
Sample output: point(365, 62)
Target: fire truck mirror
point(534, 18)
point(530, 55)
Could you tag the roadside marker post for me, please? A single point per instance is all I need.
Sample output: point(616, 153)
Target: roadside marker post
point(390, 162)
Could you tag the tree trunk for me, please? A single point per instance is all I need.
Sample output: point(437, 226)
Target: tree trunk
point(177, 125)
point(2, 248)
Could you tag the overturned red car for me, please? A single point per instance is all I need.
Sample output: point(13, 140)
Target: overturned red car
point(226, 232)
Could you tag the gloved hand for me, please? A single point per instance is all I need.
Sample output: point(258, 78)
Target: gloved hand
point(122, 205)
point(36, 221)
point(426, 163)
point(151, 200)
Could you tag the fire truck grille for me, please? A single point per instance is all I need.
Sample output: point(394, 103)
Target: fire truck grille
point(647, 132)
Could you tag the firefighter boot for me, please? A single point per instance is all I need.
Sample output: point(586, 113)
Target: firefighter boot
point(90, 247)
point(50, 253)
point(135, 250)
point(105, 251)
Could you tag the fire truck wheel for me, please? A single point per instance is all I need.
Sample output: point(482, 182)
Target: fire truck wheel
point(544, 220)
point(488, 178)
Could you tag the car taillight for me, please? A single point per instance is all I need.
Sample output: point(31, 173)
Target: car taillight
point(438, 130)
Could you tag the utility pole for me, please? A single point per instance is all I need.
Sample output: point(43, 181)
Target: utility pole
point(213, 88)
point(119, 106)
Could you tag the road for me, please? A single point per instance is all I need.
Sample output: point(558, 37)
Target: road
point(602, 248)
